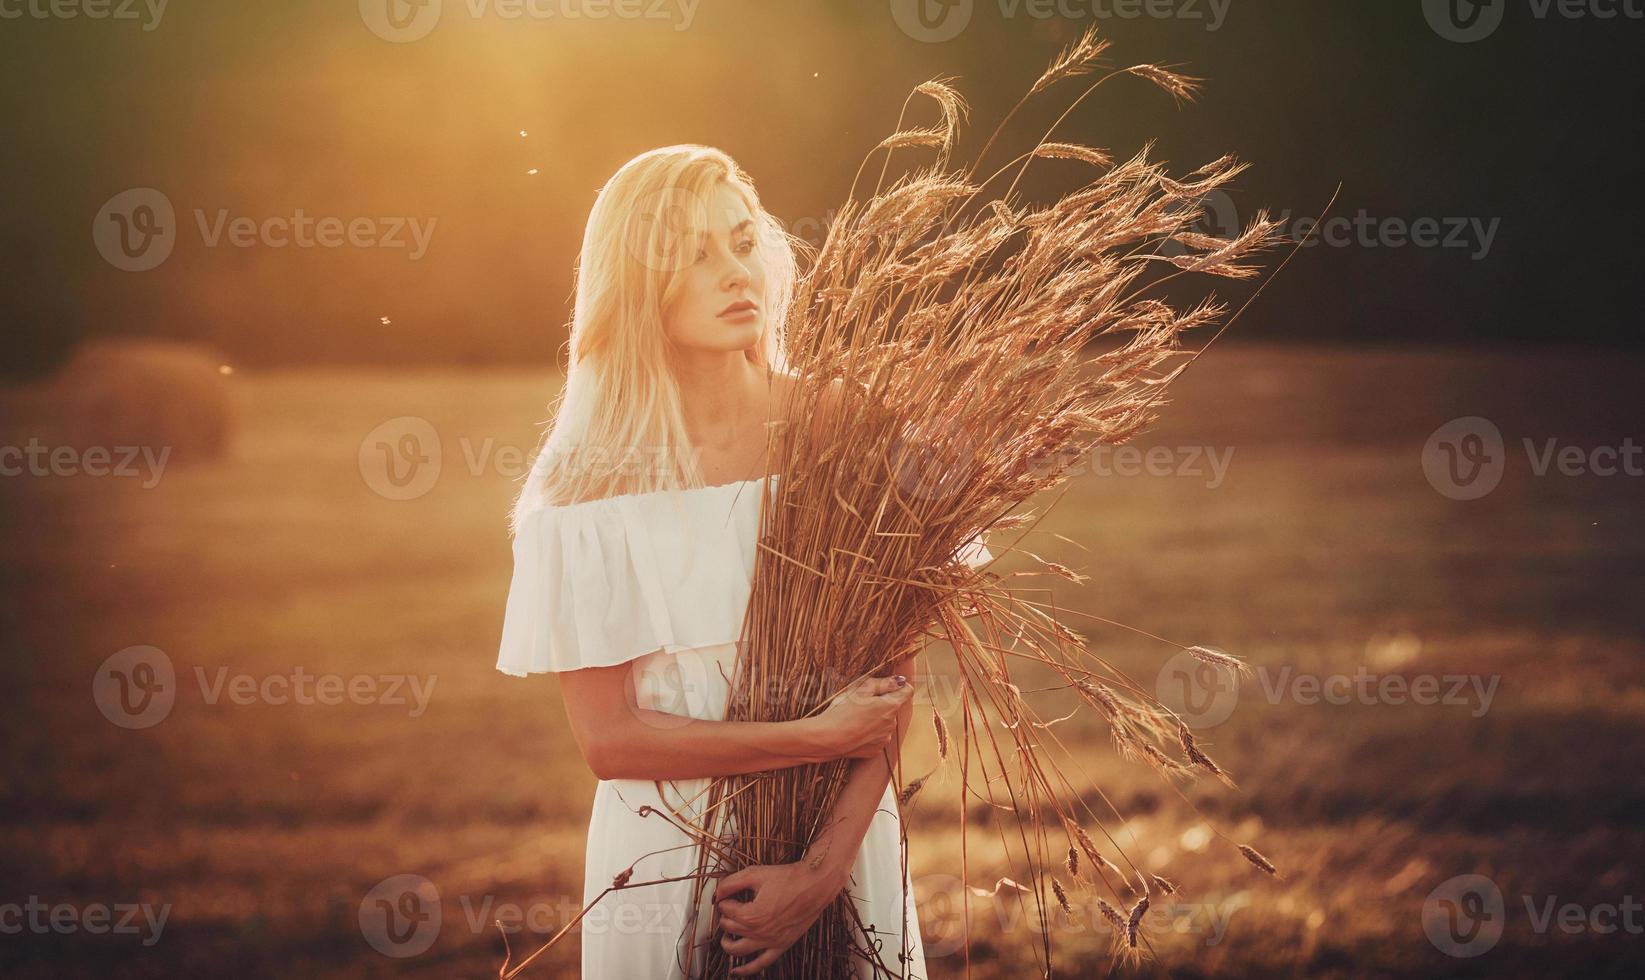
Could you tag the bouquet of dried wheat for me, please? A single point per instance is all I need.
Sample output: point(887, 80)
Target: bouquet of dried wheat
point(959, 348)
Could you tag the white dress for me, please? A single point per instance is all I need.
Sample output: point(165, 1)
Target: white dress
point(661, 581)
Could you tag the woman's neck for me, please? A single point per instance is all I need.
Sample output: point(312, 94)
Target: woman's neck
point(720, 394)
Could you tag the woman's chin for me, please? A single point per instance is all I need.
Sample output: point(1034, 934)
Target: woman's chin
point(735, 336)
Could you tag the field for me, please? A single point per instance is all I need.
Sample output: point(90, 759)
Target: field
point(1321, 551)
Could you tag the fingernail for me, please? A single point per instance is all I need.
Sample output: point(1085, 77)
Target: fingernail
point(900, 679)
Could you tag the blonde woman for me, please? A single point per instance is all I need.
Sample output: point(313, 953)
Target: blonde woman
point(633, 556)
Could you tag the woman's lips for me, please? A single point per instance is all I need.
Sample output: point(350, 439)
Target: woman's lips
point(741, 310)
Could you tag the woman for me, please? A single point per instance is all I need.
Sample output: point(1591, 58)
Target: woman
point(634, 551)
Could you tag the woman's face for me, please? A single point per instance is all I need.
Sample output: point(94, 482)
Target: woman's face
point(718, 299)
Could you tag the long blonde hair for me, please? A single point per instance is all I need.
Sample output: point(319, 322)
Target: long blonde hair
point(618, 425)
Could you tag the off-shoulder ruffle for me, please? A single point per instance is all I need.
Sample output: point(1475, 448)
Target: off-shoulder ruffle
point(603, 582)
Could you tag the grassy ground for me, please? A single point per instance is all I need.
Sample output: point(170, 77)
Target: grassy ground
point(1322, 551)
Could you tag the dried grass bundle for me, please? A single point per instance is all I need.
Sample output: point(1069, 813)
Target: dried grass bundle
point(943, 339)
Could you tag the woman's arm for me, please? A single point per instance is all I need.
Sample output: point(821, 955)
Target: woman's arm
point(621, 740)
point(836, 846)
point(789, 897)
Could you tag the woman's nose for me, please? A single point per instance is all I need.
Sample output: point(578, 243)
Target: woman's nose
point(736, 274)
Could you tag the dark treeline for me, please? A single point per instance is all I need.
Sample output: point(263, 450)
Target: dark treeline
point(338, 197)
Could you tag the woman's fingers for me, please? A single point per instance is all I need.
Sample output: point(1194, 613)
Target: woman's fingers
point(738, 918)
point(882, 686)
point(863, 690)
point(740, 945)
point(748, 878)
point(757, 964)
point(730, 908)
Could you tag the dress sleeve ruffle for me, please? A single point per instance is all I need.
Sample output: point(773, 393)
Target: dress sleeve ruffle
point(603, 582)
point(579, 597)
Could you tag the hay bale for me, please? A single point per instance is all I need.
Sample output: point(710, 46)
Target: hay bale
point(121, 392)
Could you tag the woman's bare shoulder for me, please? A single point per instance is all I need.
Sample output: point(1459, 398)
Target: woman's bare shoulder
point(833, 399)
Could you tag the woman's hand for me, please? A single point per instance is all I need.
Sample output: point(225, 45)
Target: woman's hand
point(861, 721)
point(787, 898)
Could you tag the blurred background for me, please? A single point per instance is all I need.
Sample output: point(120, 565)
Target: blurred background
point(284, 294)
